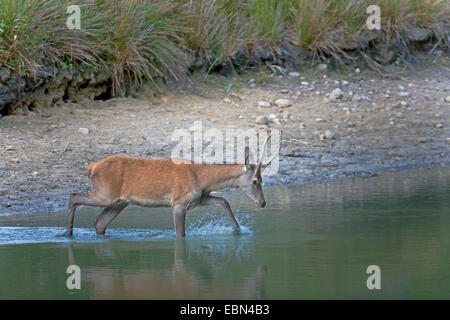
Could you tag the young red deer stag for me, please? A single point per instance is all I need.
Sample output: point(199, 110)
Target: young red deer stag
point(118, 181)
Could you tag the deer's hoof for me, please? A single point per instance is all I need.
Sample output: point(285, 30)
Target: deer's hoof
point(67, 233)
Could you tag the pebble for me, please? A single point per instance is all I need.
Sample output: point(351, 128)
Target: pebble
point(226, 100)
point(261, 120)
point(447, 99)
point(357, 70)
point(277, 122)
point(329, 134)
point(439, 126)
point(336, 94)
point(322, 66)
point(294, 74)
point(320, 120)
point(282, 103)
point(9, 148)
point(284, 91)
point(83, 130)
point(404, 94)
point(264, 104)
point(272, 116)
point(447, 140)
point(286, 115)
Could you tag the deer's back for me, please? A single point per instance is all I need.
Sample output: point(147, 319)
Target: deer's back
point(150, 182)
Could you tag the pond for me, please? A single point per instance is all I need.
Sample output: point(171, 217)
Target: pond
point(312, 241)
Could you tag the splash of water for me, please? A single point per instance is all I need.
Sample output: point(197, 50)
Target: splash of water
point(211, 224)
point(197, 226)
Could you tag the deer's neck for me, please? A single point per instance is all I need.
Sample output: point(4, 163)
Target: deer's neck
point(214, 177)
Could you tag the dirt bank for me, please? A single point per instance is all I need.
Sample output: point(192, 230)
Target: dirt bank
point(370, 125)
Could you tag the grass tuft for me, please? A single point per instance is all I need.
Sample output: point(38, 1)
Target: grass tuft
point(150, 40)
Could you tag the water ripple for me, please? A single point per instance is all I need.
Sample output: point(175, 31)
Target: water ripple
point(200, 226)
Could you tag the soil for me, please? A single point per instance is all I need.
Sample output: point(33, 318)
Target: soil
point(380, 124)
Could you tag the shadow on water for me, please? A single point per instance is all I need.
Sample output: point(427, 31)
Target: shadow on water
point(314, 241)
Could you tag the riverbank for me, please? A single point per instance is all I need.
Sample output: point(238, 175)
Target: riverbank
point(369, 125)
point(53, 52)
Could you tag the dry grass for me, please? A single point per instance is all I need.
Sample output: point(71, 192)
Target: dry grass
point(213, 31)
point(34, 34)
point(141, 41)
point(146, 40)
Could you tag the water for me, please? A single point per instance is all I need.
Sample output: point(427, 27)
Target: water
point(314, 241)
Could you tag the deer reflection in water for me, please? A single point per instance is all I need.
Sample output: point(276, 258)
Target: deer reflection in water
point(196, 271)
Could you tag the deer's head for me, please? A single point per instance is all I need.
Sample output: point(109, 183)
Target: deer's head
point(251, 179)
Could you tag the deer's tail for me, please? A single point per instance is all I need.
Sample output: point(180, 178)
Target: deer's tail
point(90, 168)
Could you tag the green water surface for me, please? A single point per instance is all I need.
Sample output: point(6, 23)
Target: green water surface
point(312, 241)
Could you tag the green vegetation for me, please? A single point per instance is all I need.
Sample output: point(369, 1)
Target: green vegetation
point(139, 40)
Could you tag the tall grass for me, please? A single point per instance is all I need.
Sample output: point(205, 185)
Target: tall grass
point(146, 40)
point(267, 21)
point(34, 33)
point(213, 31)
point(140, 41)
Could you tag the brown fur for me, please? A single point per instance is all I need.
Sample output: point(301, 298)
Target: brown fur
point(120, 177)
point(90, 168)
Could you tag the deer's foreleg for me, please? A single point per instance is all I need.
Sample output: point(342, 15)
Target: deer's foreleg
point(108, 215)
point(179, 218)
point(223, 203)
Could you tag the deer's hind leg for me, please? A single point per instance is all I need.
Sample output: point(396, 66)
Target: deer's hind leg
point(108, 215)
point(77, 200)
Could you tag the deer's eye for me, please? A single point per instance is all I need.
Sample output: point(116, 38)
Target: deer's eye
point(255, 182)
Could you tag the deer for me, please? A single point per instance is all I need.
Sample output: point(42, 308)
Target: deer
point(118, 181)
